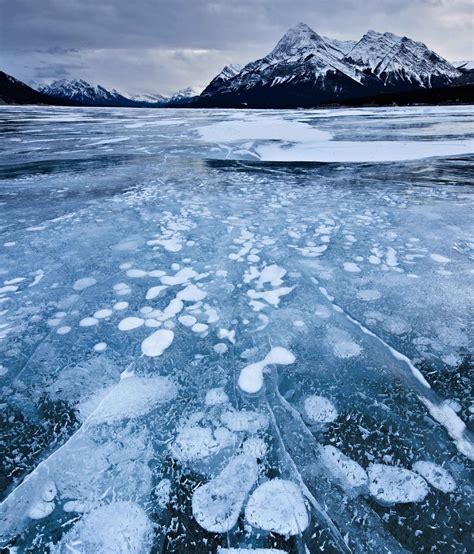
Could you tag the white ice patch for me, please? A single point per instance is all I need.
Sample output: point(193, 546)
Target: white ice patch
point(196, 443)
point(157, 343)
point(216, 396)
point(245, 420)
point(439, 259)
point(272, 274)
point(84, 283)
point(369, 295)
point(199, 328)
point(217, 504)
point(272, 297)
point(133, 397)
point(136, 273)
point(278, 506)
point(220, 348)
point(187, 320)
point(104, 313)
point(121, 289)
point(251, 376)
point(392, 485)
point(322, 311)
point(181, 277)
point(191, 293)
point(346, 349)
point(130, 323)
point(363, 151)
point(153, 292)
point(445, 415)
point(119, 527)
point(260, 128)
point(349, 474)
point(436, 476)
point(351, 267)
point(42, 504)
point(100, 346)
point(88, 322)
point(319, 409)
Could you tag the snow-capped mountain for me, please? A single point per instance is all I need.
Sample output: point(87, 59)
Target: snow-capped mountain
point(184, 96)
point(147, 98)
point(307, 69)
point(400, 60)
point(13, 91)
point(225, 75)
point(83, 93)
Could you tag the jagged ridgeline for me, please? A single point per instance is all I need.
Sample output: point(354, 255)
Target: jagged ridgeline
point(306, 69)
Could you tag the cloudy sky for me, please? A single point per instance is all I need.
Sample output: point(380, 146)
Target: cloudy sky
point(163, 45)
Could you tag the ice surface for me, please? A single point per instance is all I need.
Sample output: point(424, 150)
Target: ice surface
point(205, 351)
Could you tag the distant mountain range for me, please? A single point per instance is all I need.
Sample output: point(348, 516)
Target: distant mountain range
point(83, 93)
point(303, 70)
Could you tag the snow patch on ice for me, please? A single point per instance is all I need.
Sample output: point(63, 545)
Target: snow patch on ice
point(217, 504)
point(319, 409)
point(251, 376)
point(278, 506)
point(392, 485)
point(436, 475)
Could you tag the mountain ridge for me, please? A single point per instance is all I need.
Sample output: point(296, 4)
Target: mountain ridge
point(306, 69)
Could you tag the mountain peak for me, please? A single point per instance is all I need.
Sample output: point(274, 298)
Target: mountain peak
point(297, 39)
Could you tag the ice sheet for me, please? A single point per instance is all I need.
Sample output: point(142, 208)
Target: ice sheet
point(211, 352)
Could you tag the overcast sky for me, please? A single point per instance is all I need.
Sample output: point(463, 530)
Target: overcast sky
point(163, 45)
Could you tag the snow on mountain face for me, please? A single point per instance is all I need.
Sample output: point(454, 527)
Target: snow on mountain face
point(301, 55)
point(184, 96)
point(184, 93)
point(323, 69)
point(82, 92)
point(225, 75)
point(343, 46)
point(399, 58)
point(230, 71)
point(303, 45)
point(147, 98)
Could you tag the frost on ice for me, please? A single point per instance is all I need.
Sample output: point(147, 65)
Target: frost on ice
point(205, 348)
point(390, 484)
point(217, 504)
point(278, 505)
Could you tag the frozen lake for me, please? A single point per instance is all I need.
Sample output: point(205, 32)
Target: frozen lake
point(224, 331)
